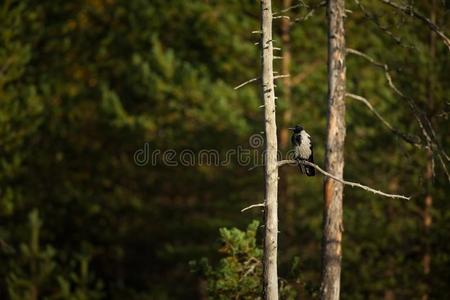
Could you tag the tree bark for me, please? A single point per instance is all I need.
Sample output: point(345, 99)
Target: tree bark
point(270, 286)
point(334, 161)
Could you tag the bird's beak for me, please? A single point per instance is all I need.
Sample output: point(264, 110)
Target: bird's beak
point(291, 128)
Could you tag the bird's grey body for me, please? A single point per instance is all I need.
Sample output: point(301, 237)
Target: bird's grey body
point(303, 148)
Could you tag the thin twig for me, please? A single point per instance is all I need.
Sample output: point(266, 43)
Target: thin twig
point(420, 116)
point(282, 17)
point(256, 166)
point(300, 4)
point(352, 184)
point(247, 82)
point(309, 13)
point(252, 206)
point(374, 19)
point(250, 270)
point(414, 140)
point(281, 76)
point(376, 113)
point(308, 69)
point(408, 9)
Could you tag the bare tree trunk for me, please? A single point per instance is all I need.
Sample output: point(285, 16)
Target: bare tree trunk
point(334, 162)
point(271, 168)
point(286, 119)
point(428, 203)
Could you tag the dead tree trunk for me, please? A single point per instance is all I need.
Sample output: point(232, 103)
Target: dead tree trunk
point(271, 168)
point(334, 161)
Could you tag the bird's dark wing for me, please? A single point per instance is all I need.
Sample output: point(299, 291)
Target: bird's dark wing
point(310, 171)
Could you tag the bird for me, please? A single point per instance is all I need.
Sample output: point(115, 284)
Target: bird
point(301, 141)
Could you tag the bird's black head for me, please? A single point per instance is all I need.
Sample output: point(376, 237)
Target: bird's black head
point(296, 129)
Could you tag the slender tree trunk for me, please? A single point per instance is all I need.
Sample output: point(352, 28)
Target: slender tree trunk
point(334, 162)
point(286, 119)
point(428, 202)
point(271, 168)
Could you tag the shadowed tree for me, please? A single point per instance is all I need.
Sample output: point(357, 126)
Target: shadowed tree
point(334, 160)
point(271, 167)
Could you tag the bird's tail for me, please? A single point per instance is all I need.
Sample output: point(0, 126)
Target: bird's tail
point(309, 170)
point(301, 166)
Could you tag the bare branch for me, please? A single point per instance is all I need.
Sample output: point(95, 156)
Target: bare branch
point(306, 72)
point(247, 82)
point(444, 167)
point(250, 270)
point(310, 13)
point(281, 76)
point(252, 206)
point(300, 4)
point(282, 17)
point(367, 103)
point(256, 166)
point(349, 183)
point(421, 118)
point(374, 19)
point(408, 9)
point(414, 140)
point(367, 57)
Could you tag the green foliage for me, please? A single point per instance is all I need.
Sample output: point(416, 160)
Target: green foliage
point(84, 84)
point(238, 274)
point(36, 273)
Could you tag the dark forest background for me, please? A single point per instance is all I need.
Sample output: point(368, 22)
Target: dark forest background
point(85, 84)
